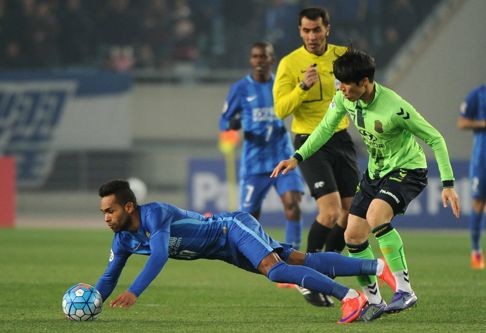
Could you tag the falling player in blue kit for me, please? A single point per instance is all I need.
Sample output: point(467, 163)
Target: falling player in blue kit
point(473, 117)
point(249, 105)
point(162, 231)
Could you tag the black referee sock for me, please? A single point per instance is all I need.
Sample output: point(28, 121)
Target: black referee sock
point(317, 237)
point(335, 240)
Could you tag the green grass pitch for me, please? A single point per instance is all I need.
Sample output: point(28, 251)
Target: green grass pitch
point(38, 265)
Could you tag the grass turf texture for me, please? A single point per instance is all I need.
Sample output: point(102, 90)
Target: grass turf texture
point(38, 265)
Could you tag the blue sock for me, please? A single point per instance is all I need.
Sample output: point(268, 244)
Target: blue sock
point(334, 264)
point(293, 233)
point(307, 278)
point(476, 227)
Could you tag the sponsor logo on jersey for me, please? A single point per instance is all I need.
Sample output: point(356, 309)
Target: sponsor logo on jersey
point(174, 244)
point(370, 139)
point(263, 114)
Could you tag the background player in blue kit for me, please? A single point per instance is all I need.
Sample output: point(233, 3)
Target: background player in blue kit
point(473, 117)
point(249, 105)
point(162, 231)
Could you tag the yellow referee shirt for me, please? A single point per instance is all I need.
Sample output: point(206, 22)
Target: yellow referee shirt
point(307, 107)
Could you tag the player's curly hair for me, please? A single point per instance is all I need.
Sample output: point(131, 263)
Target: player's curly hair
point(121, 189)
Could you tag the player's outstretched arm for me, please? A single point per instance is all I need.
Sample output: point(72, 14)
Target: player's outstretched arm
point(284, 167)
point(124, 300)
point(449, 195)
point(107, 282)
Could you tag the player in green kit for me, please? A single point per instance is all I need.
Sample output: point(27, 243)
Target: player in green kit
point(396, 172)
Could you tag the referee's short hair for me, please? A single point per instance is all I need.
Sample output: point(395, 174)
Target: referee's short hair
point(313, 13)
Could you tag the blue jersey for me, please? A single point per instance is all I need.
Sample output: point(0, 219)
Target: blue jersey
point(167, 231)
point(474, 108)
point(266, 141)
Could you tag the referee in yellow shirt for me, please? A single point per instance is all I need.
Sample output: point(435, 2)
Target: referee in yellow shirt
point(304, 87)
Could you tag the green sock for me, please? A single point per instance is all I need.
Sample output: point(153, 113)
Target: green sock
point(363, 253)
point(391, 246)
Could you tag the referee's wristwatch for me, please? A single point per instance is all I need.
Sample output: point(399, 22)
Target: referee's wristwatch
point(303, 86)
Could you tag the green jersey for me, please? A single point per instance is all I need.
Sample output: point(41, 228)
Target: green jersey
point(388, 126)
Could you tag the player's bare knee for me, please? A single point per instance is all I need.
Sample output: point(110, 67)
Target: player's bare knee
point(292, 211)
point(296, 258)
point(268, 262)
point(353, 237)
point(375, 221)
point(329, 217)
point(478, 205)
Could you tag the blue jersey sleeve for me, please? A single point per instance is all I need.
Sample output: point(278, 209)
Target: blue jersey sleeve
point(469, 109)
point(159, 244)
point(231, 108)
point(158, 224)
point(109, 279)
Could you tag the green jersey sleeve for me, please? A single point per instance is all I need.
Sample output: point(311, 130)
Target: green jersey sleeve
point(325, 130)
point(422, 129)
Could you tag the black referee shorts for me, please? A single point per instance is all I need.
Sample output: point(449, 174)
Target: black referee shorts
point(334, 167)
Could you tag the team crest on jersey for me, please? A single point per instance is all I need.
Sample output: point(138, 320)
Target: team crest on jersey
point(378, 126)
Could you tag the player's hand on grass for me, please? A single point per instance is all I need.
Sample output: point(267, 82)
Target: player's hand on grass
point(449, 195)
point(284, 167)
point(124, 300)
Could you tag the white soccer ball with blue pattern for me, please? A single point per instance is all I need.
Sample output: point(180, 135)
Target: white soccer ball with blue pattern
point(82, 302)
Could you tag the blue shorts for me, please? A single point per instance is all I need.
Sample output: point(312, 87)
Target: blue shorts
point(249, 244)
point(254, 188)
point(477, 177)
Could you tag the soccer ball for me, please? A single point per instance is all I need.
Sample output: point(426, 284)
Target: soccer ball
point(82, 302)
point(138, 187)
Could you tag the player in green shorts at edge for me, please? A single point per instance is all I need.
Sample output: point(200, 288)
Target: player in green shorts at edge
point(396, 172)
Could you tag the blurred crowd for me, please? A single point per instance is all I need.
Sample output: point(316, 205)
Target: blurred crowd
point(212, 34)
